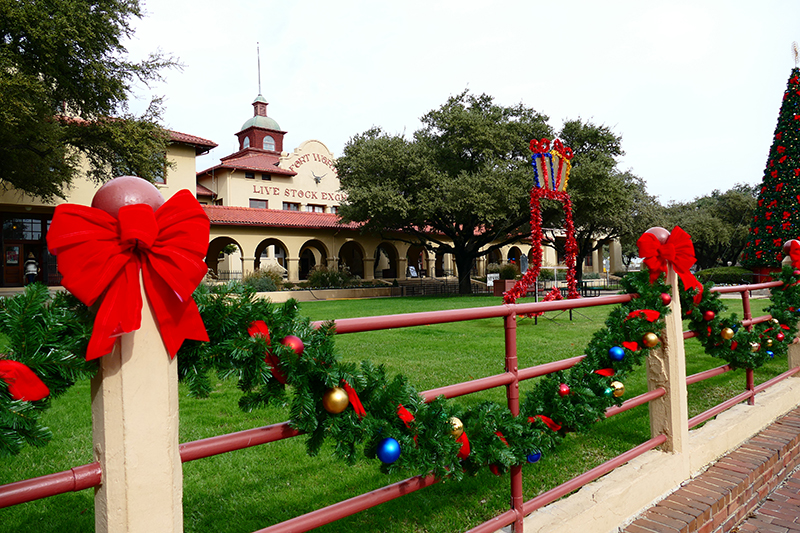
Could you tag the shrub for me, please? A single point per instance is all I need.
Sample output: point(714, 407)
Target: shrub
point(546, 274)
point(322, 277)
point(725, 275)
point(266, 280)
point(509, 271)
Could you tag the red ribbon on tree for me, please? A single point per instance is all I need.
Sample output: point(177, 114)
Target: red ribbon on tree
point(606, 372)
point(631, 345)
point(406, 416)
point(354, 400)
point(259, 328)
point(650, 315)
point(23, 383)
point(463, 453)
point(101, 255)
point(677, 251)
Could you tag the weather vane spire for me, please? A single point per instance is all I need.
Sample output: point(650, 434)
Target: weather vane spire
point(795, 53)
point(258, 58)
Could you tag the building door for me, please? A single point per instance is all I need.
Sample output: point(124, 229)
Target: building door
point(12, 265)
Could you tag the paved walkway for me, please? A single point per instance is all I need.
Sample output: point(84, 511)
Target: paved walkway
point(756, 487)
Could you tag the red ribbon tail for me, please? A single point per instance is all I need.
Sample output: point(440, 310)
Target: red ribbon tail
point(354, 400)
point(23, 383)
point(502, 437)
point(405, 415)
point(606, 372)
point(546, 420)
point(120, 312)
point(463, 453)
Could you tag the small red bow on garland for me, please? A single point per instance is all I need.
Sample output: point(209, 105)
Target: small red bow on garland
point(678, 251)
point(794, 253)
point(22, 383)
point(352, 395)
point(259, 328)
point(99, 254)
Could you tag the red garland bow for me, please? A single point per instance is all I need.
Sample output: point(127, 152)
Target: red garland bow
point(22, 383)
point(631, 345)
point(259, 328)
point(463, 453)
point(678, 251)
point(650, 315)
point(605, 372)
point(406, 416)
point(794, 253)
point(100, 255)
point(354, 400)
point(547, 421)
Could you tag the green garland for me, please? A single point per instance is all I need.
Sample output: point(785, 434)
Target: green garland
point(497, 439)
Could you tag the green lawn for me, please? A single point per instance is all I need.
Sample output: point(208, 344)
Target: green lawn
point(250, 489)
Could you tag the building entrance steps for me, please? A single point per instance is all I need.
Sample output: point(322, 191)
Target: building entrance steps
point(756, 487)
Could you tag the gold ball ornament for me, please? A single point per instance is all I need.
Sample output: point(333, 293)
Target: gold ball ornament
point(650, 340)
point(727, 333)
point(458, 427)
point(754, 346)
point(768, 342)
point(619, 388)
point(335, 400)
point(775, 321)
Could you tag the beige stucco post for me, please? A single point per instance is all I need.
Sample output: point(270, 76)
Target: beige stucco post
point(794, 355)
point(666, 367)
point(248, 265)
point(293, 269)
point(135, 432)
point(615, 257)
point(402, 267)
point(369, 268)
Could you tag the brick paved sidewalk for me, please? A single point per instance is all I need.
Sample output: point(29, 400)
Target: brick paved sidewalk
point(734, 488)
point(780, 513)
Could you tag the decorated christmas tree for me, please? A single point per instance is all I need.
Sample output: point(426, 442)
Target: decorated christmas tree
point(776, 218)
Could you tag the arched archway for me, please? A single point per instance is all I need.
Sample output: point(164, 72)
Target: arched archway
point(417, 258)
point(386, 261)
point(270, 252)
point(312, 253)
point(351, 255)
point(495, 256)
point(224, 262)
point(514, 254)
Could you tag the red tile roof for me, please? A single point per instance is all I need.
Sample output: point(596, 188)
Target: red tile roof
point(201, 145)
point(253, 161)
point(203, 191)
point(246, 216)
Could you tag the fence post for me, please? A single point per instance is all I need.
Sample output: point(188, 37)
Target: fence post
point(666, 367)
point(794, 355)
point(512, 394)
point(135, 432)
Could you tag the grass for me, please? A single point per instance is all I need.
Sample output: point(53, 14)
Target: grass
point(243, 491)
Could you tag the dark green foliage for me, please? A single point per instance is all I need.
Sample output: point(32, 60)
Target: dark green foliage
point(726, 275)
point(775, 219)
point(323, 277)
point(260, 281)
point(49, 335)
point(64, 85)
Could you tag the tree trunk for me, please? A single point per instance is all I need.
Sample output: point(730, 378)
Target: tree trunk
point(463, 269)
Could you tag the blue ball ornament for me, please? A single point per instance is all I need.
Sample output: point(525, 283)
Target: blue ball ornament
point(388, 450)
point(616, 353)
point(534, 456)
point(770, 354)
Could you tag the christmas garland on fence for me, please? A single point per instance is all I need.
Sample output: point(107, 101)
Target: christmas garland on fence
point(276, 356)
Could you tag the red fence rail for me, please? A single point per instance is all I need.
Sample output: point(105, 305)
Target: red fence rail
point(88, 476)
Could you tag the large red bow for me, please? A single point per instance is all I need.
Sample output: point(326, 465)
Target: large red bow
point(794, 253)
point(98, 254)
point(678, 251)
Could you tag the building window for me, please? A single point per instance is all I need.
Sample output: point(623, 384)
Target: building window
point(291, 206)
point(218, 201)
point(311, 208)
point(269, 143)
point(22, 229)
point(250, 175)
point(334, 209)
point(258, 204)
point(266, 177)
point(589, 258)
point(246, 143)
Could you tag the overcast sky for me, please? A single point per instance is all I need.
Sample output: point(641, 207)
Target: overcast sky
point(693, 87)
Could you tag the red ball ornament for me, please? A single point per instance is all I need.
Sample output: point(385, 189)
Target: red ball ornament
point(787, 246)
point(126, 190)
point(666, 299)
point(780, 336)
point(563, 389)
point(293, 342)
point(660, 233)
point(796, 272)
point(709, 315)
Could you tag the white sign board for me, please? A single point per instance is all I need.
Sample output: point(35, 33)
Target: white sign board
point(490, 279)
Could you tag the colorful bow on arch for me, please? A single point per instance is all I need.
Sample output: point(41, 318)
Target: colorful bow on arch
point(99, 255)
point(677, 251)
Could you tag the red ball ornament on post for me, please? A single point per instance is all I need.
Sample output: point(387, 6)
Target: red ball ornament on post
point(660, 233)
point(780, 336)
point(666, 299)
point(709, 315)
point(126, 190)
point(563, 389)
point(294, 342)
